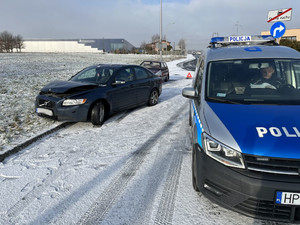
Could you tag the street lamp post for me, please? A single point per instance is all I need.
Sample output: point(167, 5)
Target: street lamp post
point(160, 38)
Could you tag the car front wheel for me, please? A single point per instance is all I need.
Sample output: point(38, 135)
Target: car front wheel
point(153, 99)
point(98, 114)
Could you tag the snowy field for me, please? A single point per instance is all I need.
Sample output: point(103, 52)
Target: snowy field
point(23, 75)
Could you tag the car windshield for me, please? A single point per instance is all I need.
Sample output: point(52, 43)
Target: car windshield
point(95, 75)
point(254, 81)
point(151, 65)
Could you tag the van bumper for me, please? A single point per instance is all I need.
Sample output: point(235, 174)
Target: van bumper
point(250, 196)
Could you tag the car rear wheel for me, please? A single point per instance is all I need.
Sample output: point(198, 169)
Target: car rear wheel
point(98, 114)
point(153, 99)
point(167, 78)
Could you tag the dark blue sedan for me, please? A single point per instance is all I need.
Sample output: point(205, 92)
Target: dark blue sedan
point(97, 92)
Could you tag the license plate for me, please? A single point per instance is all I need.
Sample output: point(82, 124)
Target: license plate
point(44, 111)
point(287, 198)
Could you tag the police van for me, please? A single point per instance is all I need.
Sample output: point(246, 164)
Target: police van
point(245, 121)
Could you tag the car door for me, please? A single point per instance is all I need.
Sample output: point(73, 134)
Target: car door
point(122, 93)
point(143, 84)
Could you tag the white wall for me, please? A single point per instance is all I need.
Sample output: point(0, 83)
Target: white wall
point(57, 46)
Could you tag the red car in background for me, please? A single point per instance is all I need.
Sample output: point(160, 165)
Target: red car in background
point(158, 68)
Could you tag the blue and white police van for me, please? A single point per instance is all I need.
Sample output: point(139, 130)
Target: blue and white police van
point(245, 121)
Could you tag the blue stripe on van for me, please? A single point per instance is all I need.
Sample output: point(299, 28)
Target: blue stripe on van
point(196, 120)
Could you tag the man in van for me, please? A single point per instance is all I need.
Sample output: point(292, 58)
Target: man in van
point(268, 79)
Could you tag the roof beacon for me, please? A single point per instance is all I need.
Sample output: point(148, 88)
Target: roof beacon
point(242, 40)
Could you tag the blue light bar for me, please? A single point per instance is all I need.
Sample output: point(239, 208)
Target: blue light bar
point(231, 40)
point(216, 39)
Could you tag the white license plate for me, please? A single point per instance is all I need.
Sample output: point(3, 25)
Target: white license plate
point(44, 111)
point(287, 198)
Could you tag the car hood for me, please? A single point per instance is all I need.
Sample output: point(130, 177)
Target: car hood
point(264, 130)
point(61, 87)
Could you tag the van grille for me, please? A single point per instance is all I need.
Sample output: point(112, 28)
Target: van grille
point(273, 166)
point(265, 209)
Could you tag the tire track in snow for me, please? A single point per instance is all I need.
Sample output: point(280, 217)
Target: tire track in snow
point(167, 203)
point(105, 201)
point(31, 141)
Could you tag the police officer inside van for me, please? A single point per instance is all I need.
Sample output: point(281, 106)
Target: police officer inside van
point(267, 79)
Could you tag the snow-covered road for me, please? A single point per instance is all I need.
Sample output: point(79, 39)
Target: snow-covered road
point(135, 169)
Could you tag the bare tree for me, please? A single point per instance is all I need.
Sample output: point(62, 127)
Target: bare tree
point(181, 43)
point(8, 42)
point(19, 43)
point(155, 38)
point(143, 45)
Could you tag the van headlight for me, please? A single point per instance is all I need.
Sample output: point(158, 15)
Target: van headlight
point(222, 153)
point(70, 102)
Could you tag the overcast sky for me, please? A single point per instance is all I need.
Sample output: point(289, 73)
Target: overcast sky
point(138, 20)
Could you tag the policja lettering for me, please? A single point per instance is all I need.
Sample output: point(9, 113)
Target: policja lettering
point(239, 38)
point(278, 132)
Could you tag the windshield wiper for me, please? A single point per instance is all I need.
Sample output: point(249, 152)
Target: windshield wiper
point(223, 100)
point(253, 100)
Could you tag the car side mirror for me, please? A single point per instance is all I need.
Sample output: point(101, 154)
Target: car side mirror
point(117, 82)
point(189, 92)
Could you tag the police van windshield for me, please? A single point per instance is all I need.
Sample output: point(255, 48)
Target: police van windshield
point(254, 81)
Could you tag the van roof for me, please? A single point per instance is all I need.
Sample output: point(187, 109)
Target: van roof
point(249, 52)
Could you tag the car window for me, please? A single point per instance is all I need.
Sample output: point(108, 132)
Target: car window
point(99, 75)
point(150, 74)
point(125, 75)
point(86, 76)
point(103, 74)
point(140, 73)
point(151, 65)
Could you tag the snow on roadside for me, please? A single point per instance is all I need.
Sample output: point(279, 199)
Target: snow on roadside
point(23, 75)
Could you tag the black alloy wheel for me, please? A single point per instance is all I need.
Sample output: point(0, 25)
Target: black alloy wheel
point(98, 114)
point(153, 99)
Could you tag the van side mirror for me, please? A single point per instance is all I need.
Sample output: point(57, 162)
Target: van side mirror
point(189, 92)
